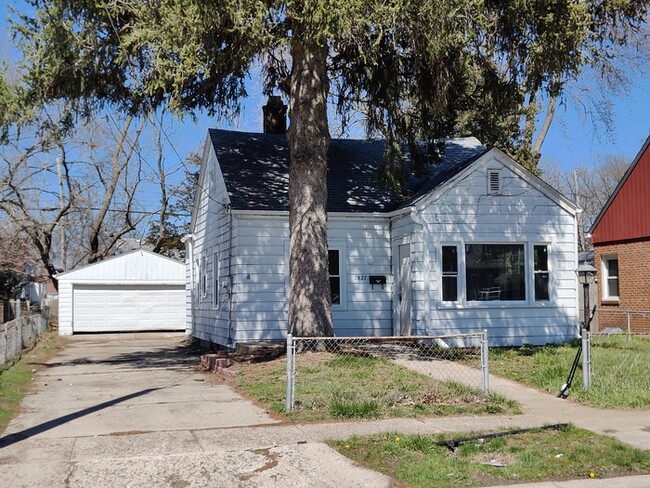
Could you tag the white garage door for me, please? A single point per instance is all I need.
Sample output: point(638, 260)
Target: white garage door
point(101, 308)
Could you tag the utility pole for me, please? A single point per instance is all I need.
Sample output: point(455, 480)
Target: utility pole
point(580, 216)
point(59, 170)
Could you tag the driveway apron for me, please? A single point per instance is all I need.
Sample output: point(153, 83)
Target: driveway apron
point(132, 410)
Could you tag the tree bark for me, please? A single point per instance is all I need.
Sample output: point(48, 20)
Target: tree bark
point(310, 309)
point(550, 112)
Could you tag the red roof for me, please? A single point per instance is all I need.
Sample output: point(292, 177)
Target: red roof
point(626, 215)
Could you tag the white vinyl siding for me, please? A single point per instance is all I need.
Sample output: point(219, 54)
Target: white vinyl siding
point(211, 234)
point(261, 267)
point(462, 214)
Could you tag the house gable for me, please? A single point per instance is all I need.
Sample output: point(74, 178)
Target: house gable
point(210, 185)
point(495, 164)
point(140, 266)
point(625, 216)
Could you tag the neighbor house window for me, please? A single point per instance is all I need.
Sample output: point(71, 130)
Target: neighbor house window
point(495, 272)
point(540, 258)
point(215, 278)
point(449, 273)
point(335, 276)
point(610, 275)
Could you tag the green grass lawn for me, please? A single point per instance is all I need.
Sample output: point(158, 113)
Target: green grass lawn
point(331, 386)
point(16, 379)
point(571, 453)
point(620, 368)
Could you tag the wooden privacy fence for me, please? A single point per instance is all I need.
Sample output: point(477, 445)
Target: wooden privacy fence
point(20, 333)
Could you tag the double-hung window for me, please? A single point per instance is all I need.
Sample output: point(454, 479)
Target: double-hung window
point(204, 277)
point(540, 265)
point(449, 273)
point(610, 278)
point(334, 256)
point(215, 278)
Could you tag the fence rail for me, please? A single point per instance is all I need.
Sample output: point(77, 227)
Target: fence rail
point(630, 322)
point(462, 358)
point(20, 333)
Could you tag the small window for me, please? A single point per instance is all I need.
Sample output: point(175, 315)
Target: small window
point(610, 282)
point(494, 182)
point(449, 273)
point(197, 279)
point(215, 278)
point(541, 272)
point(335, 276)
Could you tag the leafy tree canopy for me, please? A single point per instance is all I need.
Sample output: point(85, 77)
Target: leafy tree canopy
point(416, 69)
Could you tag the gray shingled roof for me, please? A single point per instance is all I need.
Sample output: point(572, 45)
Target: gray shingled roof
point(255, 168)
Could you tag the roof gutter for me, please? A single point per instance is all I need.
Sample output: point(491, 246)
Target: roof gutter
point(331, 215)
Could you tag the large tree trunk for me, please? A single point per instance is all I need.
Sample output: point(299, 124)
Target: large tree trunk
point(310, 309)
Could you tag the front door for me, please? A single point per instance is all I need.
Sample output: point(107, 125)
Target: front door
point(404, 290)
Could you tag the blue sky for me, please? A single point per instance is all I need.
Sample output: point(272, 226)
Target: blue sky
point(572, 141)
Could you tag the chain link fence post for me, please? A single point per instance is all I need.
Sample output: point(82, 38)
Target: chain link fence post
point(485, 366)
point(290, 374)
point(586, 359)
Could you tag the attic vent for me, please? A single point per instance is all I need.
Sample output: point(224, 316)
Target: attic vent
point(494, 182)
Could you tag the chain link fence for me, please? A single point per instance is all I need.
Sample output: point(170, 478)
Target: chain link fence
point(630, 322)
point(20, 333)
point(461, 358)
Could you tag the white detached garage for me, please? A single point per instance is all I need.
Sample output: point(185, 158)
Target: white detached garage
point(139, 291)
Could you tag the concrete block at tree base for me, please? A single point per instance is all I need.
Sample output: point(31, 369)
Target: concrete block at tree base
point(210, 362)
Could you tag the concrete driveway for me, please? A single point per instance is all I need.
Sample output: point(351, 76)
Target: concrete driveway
point(132, 410)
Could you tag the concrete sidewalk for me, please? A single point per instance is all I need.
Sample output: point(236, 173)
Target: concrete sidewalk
point(131, 410)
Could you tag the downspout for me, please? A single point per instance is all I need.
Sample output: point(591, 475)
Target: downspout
point(231, 281)
point(417, 219)
point(188, 240)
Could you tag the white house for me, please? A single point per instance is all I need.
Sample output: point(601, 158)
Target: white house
point(138, 291)
point(477, 243)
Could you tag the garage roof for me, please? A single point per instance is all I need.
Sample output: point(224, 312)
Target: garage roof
point(137, 266)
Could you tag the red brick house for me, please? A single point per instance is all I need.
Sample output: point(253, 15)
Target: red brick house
point(621, 239)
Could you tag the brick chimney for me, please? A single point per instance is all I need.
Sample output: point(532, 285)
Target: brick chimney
point(275, 116)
